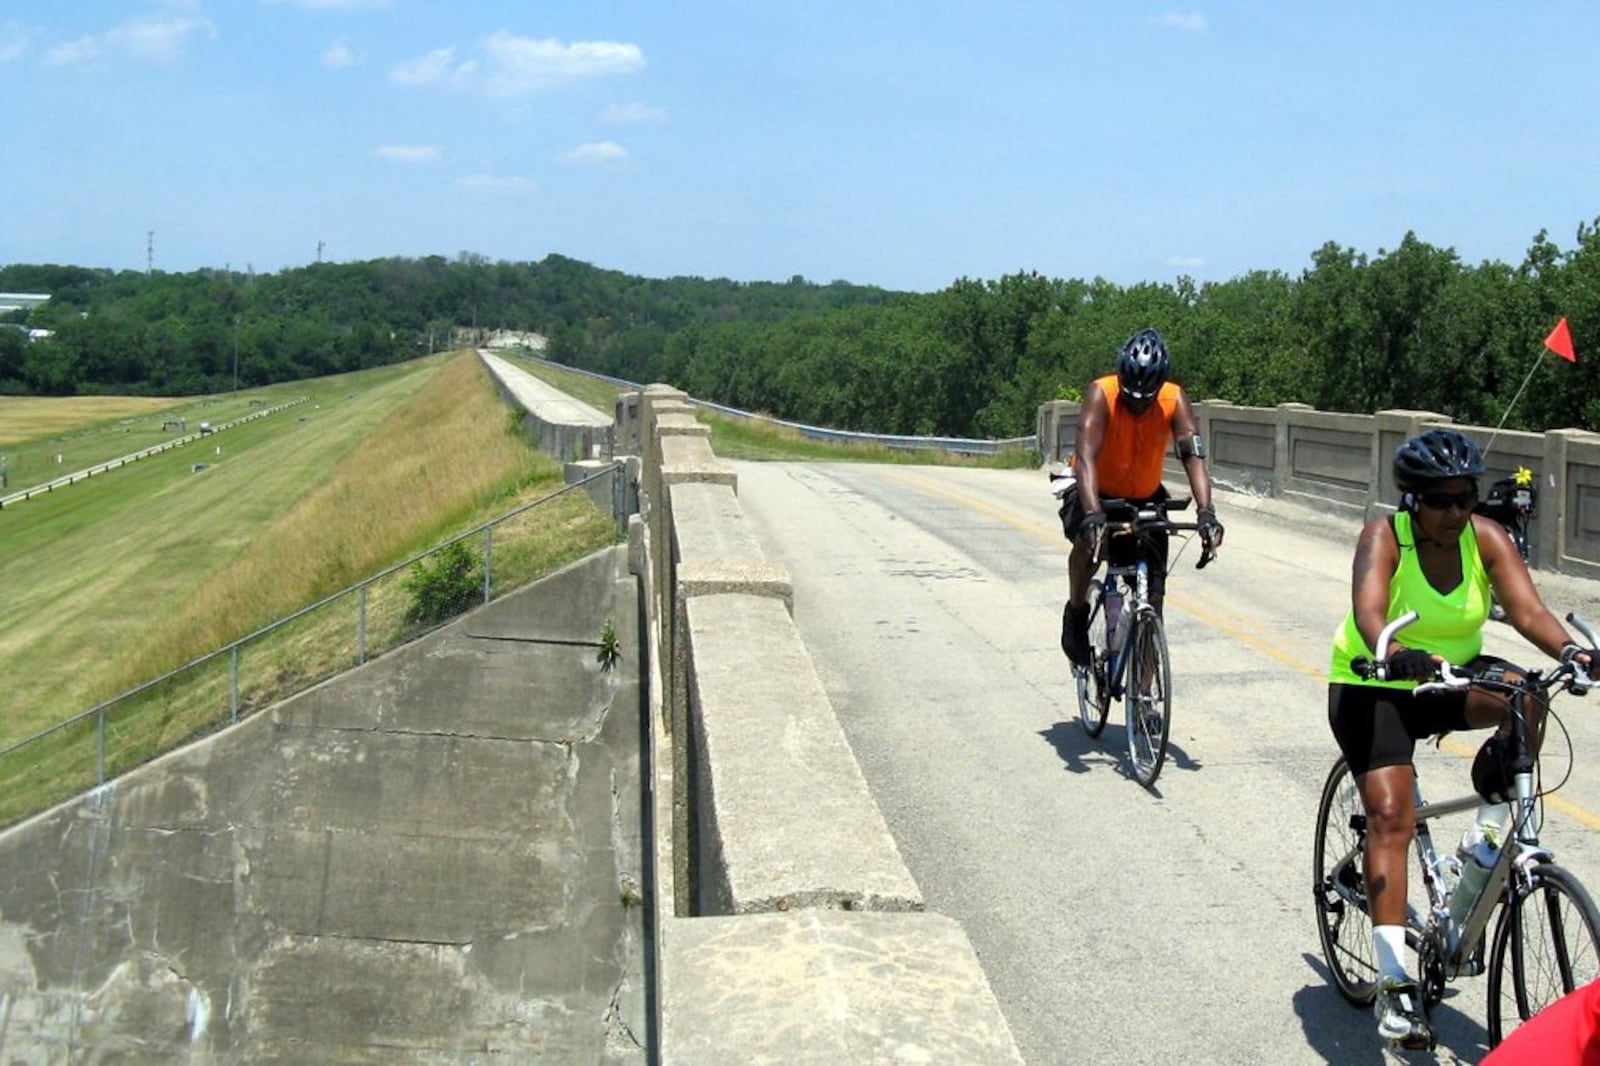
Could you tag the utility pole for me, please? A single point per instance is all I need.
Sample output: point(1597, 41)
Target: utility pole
point(236, 355)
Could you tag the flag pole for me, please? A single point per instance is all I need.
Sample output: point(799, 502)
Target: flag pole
point(1560, 342)
point(1513, 403)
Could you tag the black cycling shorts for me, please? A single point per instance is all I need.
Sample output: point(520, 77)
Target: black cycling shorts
point(1378, 727)
point(1121, 551)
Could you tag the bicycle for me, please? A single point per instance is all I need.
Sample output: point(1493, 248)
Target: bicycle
point(1547, 939)
point(1136, 648)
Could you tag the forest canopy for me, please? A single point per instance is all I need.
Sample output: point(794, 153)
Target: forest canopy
point(1408, 327)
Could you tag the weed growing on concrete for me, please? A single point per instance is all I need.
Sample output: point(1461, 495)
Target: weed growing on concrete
point(610, 647)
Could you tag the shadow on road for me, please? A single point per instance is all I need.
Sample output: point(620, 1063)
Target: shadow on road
point(1343, 1033)
point(1081, 753)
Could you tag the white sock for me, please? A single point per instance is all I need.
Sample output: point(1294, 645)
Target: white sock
point(1389, 945)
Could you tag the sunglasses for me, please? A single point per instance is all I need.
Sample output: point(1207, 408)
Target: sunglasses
point(1443, 501)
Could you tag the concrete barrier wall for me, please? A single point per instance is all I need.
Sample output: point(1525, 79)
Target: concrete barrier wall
point(562, 427)
point(432, 858)
point(788, 929)
point(1343, 461)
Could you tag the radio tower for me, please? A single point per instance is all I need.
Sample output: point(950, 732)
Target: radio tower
point(319, 251)
point(149, 250)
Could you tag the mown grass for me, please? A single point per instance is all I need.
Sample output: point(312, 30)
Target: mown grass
point(155, 570)
point(741, 438)
point(30, 418)
point(43, 439)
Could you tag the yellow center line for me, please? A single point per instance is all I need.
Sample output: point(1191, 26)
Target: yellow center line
point(1233, 627)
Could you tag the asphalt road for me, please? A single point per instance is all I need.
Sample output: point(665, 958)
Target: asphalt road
point(1116, 924)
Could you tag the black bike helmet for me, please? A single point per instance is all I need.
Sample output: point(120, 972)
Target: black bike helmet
point(1143, 366)
point(1434, 456)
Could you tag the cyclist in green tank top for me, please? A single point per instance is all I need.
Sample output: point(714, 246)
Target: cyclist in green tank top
point(1435, 557)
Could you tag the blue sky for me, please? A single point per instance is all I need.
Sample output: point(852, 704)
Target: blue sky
point(902, 144)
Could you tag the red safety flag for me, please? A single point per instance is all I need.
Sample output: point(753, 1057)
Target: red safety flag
point(1560, 341)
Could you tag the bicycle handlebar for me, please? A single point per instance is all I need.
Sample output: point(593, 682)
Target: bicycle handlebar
point(1142, 519)
point(1450, 676)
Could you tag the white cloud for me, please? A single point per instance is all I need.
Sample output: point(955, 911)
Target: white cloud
point(13, 41)
point(507, 65)
point(154, 40)
point(334, 5)
point(596, 153)
point(518, 65)
point(632, 113)
point(1176, 20)
point(490, 183)
point(409, 153)
point(338, 55)
point(1186, 262)
point(425, 70)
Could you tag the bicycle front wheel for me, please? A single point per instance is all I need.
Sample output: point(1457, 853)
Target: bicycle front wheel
point(1340, 890)
point(1092, 679)
point(1149, 698)
point(1546, 944)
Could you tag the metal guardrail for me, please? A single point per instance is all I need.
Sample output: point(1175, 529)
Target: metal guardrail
point(962, 445)
point(123, 460)
point(100, 714)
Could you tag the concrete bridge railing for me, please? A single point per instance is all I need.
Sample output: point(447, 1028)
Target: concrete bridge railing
point(789, 929)
point(1323, 458)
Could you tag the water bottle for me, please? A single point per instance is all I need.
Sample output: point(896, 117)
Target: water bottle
point(1113, 617)
point(1447, 869)
point(1478, 854)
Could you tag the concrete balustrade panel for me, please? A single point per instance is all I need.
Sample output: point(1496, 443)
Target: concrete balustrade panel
point(785, 819)
point(828, 988)
point(1057, 429)
point(1330, 457)
point(1581, 535)
point(1241, 443)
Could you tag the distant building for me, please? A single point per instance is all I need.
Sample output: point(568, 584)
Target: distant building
point(21, 301)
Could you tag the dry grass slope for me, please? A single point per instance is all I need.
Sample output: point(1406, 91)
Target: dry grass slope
point(443, 457)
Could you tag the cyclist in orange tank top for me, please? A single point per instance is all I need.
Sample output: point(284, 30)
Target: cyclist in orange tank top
point(1127, 422)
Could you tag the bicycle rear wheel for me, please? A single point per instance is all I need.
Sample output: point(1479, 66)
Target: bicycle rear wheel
point(1092, 680)
point(1340, 890)
point(1148, 700)
point(1546, 944)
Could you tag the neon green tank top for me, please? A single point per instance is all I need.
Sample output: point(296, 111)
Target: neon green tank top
point(1449, 624)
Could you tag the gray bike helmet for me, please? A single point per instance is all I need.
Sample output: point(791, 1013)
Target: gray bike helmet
point(1434, 456)
point(1143, 366)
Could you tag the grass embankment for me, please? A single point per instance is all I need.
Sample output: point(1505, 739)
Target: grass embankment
point(119, 579)
point(743, 438)
point(86, 430)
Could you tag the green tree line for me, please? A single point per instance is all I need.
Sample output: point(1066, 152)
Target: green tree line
point(1412, 327)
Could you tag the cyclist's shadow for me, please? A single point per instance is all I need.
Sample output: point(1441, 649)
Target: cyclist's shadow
point(1342, 1033)
point(1073, 745)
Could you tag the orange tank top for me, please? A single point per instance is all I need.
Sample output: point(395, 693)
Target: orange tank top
point(1135, 445)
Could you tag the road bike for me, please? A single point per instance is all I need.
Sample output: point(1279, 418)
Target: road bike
point(1128, 658)
point(1546, 939)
